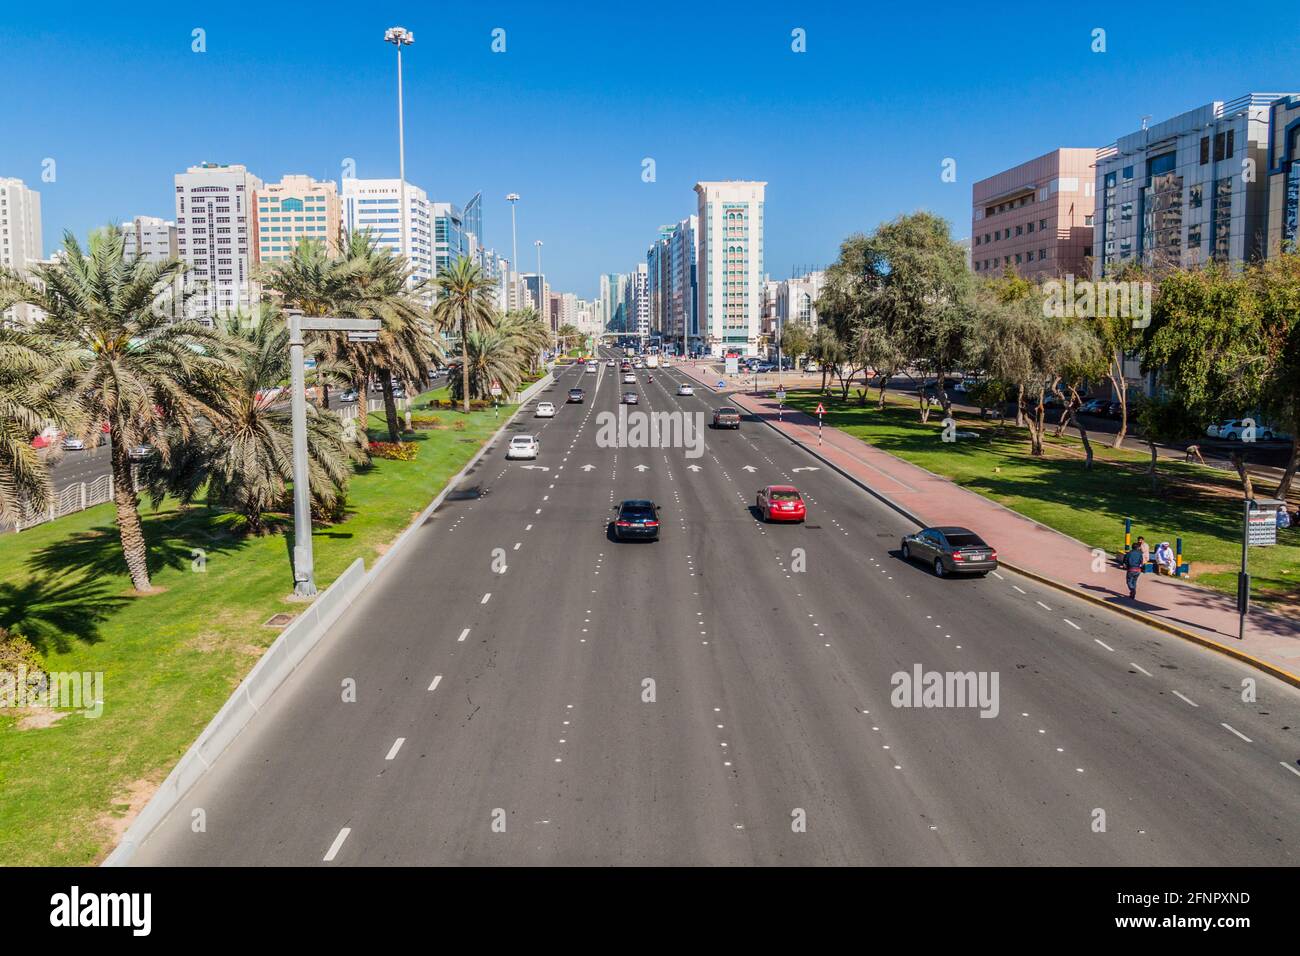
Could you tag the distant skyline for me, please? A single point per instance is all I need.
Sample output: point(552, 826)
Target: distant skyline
point(848, 134)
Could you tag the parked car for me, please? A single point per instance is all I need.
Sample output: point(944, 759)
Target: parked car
point(1234, 428)
point(577, 396)
point(781, 503)
point(1094, 406)
point(523, 446)
point(544, 410)
point(636, 519)
point(950, 550)
point(73, 444)
point(140, 452)
point(348, 395)
point(685, 389)
point(726, 417)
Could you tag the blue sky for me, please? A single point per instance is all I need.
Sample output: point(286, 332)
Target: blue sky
point(847, 135)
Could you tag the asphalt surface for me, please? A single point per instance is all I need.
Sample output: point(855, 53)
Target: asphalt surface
point(503, 715)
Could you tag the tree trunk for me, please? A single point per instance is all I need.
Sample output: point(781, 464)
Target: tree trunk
point(1284, 486)
point(129, 529)
point(1020, 406)
point(1121, 389)
point(390, 405)
point(464, 368)
point(1087, 445)
point(1239, 462)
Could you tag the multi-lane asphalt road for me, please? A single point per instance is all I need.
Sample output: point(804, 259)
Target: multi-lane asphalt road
point(528, 691)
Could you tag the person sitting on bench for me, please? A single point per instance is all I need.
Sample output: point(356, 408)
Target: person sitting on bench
point(1166, 563)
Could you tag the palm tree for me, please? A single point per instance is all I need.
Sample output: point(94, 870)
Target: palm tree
point(465, 302)
point(528, 333)
point(491, 355)
point(406, 342)
point(140, 372)
point(33, 377)
point(244, 459)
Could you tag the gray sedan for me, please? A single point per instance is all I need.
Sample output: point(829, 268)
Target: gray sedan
point(950, 550)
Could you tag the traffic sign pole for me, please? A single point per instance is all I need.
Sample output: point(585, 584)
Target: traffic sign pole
point(821, 410)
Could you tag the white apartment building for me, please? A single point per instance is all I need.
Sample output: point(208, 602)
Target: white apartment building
point(373, 204)
point(636, 301)
point(796, 299)
point(730, 272)
point(296, 208)
point(20, 238)
point(150, 238)
point(214, 222)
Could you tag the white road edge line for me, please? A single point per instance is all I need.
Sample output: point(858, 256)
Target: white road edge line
point(337, 844)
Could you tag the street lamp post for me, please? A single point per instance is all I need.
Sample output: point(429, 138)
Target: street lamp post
point(400, 37)
point(513, 198)
point(304, 570)
point(540, 305)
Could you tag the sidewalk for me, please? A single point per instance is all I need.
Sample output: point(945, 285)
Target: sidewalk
point(1206, 617)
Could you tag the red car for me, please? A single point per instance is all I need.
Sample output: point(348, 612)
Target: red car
point(781, 503)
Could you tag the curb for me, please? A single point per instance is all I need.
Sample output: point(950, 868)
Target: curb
point(279, 662)
point(1259, 664)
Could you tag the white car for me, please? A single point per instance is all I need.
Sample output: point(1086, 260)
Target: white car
point(591, 368)
point(73, 444)
point(629, 379)
point(1234, 428)
point(544, 410)
point(684, 389)
point(610, 364)
point(523, 446)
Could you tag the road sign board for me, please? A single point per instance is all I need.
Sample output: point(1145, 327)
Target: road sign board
point(821, 410)
point(780, 395)
point(1261, 528)
point(495, 388)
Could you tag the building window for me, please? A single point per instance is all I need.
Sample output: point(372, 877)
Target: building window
point(1205, 150)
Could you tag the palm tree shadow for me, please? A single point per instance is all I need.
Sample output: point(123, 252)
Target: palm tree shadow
point(52, 611)
point(173, 542)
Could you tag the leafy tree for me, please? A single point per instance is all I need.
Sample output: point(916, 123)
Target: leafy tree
point(795, 341)
point(1163, 421)
point(492, 355)
point(140, 371)
point(1205, 342)
point(1276, 285)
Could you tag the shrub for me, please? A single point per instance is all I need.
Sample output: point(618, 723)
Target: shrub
point(395, 451)
point(426, 422)
point(16, 651)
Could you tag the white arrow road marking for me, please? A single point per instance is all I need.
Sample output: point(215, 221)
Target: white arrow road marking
point(337, 844)
point(642, 468)
point(807, 468)
point(749, 468)
point(588, 467)
point(693, 467)
point(535, 467)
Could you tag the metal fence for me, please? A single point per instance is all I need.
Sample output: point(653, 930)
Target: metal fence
point(73, 498)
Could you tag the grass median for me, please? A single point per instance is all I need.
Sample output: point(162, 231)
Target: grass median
point(172, 658)
point(1201, 505)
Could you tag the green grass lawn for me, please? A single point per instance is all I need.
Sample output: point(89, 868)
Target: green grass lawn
point(1057, 491)
point(170, 659)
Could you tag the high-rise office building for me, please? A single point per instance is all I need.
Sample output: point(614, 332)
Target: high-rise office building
point(1188, 190)
point(214, 230)
point(636, 302)
point(730, 271)
point(20, 239)
point(373, 205)
point(450, 239)
point(538, 291)
point(296, 208)
point(149, 238)
point(1036, 218)
point(1283, 175)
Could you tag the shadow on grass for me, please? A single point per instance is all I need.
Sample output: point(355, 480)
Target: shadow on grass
point(52, 611)
point(172, 539)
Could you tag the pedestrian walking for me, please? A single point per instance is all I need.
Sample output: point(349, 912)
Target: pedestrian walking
point(1133, 570)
